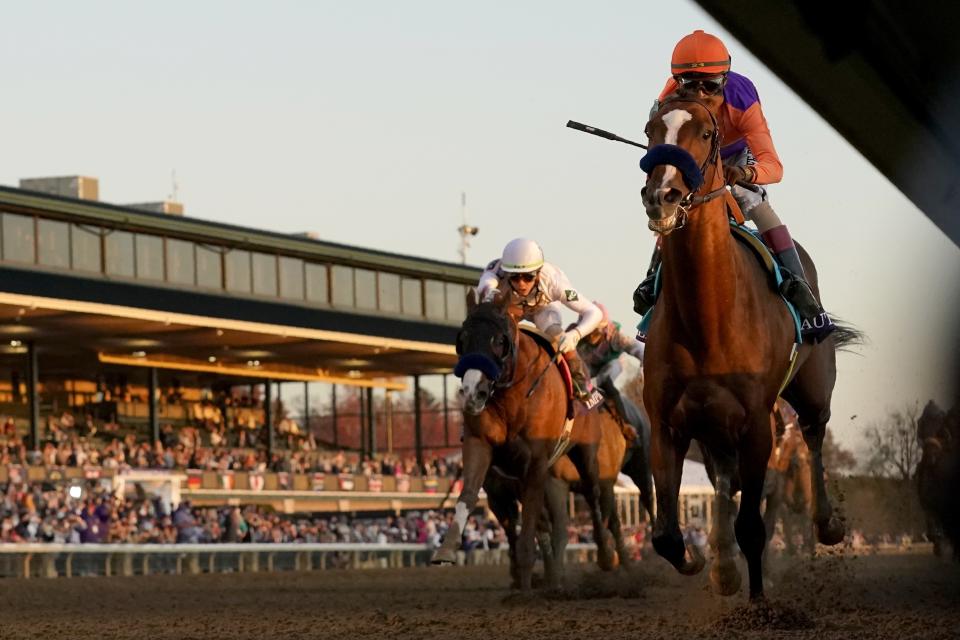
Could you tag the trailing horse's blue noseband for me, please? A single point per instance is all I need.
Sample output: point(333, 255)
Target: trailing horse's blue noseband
point(678, 157)
point(478, 361)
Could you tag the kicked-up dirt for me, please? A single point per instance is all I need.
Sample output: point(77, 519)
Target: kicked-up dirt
point(871, 597)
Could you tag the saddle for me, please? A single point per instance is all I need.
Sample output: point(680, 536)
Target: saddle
point(775, 273)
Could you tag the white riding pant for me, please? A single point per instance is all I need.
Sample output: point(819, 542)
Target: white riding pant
point(749, 201)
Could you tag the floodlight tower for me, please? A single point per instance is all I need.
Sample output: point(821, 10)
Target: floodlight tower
point(466, 230)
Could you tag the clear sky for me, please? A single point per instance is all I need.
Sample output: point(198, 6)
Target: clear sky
point(364, 121)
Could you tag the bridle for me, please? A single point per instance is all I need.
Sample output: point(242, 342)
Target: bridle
point(505, 364)
point(691, 200)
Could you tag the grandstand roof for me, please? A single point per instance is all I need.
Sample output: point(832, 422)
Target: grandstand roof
point(92, 284)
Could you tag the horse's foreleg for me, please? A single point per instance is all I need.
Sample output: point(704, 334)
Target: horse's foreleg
point(772, 497)
point(754, 453)
point(637, 467)
point(556, 498)
point(611, 515)
point(584, 457)
point(477, 454)
point(667, 457)
point(723, 572)
point(830, 529)
point(532, 510)
point(502, 500)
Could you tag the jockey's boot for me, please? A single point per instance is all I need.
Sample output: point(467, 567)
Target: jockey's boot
point(795, 287)
point(645, 294)
point(578, 372)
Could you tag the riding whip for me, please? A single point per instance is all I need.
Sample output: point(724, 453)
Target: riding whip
point(586, 128)
point(603, 134)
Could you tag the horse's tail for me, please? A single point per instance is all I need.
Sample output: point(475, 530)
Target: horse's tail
point(846, 336)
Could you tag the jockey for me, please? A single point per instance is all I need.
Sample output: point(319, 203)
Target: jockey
point(538, 291)
point(701, 70)
point(600, 351)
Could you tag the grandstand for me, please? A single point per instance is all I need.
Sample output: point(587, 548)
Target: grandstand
point(237, 365)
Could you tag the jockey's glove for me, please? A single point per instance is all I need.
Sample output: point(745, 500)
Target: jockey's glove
point(734, 174)
point(568, 341)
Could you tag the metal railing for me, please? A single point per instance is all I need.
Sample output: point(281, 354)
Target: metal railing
point(42, 560)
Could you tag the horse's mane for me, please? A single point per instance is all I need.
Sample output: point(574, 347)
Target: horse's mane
point(491, 312)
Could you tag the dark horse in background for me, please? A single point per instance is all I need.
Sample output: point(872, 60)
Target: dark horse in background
point(938, 475)
point(514, 416)
point(788, 489)
point(718, 350)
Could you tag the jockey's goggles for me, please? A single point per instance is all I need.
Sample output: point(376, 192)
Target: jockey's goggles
point(711, 85)
point(523, 277)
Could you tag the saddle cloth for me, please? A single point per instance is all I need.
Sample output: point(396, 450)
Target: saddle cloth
point(755, 243)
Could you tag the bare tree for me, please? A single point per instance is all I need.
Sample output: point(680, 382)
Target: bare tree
point(892, 447)
point(836, 459)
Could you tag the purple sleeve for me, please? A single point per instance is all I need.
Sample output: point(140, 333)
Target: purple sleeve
point(739, 92)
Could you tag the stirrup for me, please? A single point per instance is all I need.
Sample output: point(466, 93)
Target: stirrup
point(800, 295)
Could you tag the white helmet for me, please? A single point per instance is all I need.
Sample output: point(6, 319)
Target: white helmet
point(521, 256)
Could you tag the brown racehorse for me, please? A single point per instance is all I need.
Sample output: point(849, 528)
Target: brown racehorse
point(564, 477)
point(788, 489)
point(718, 348)
point(514, 410)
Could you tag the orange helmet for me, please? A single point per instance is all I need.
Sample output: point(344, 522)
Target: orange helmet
point(700, 52)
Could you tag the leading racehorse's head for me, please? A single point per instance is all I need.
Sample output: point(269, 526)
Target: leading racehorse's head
point(684, 143)
point(486, 345)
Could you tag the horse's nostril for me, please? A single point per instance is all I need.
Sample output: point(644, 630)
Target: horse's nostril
point(672, 196)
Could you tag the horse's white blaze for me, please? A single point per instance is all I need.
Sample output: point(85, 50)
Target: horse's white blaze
point(471, 380)
point(674, 121)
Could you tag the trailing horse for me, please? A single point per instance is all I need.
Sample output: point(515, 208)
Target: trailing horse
point(720, 346)
point(564, 477)
point(515, 417)
point(788, 489)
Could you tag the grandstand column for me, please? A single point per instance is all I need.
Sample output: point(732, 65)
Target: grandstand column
point(388, 414)
point(32, 397)
point(268, 417)
point(362, 411)
point(417, 420)
point(371, 424)
point(306, 407)
point(152, 402)
point(446, 415)
point(333, 412)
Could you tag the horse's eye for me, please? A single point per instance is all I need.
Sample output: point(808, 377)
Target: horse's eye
point(707, 135)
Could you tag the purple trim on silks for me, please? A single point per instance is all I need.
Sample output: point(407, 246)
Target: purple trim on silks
point(739, 92)
point(778, 239)
point(675, 156)
point(478, 361)
point(733, 149)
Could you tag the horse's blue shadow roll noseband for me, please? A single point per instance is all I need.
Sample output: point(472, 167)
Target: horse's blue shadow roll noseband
point(676, 156)
point(479, 361)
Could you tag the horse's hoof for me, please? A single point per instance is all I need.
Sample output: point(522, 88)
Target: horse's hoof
point(830, 532)
point(693, 561)
point(444, 556)
point(725, 577)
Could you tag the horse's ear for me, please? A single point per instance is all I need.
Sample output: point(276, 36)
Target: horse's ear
point(472, 299)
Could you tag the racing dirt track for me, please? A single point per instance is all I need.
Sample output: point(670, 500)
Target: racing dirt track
point(832, 597)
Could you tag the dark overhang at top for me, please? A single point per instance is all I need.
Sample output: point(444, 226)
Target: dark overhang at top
point(883, 74)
